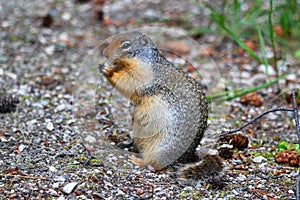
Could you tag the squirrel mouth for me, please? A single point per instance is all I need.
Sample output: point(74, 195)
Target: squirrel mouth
point(110, 69)
point(117, 65)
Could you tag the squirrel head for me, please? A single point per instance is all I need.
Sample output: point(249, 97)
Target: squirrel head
point(127, 42)
point(130, 67)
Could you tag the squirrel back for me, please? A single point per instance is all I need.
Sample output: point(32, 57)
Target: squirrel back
point(171, 110)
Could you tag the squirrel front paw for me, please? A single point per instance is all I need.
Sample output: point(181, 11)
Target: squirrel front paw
point(101, 67)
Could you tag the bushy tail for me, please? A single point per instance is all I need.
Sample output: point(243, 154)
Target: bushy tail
point(210, 166)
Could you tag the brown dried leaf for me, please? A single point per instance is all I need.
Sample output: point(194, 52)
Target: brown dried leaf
point(139, 191)
point(240, 167)
point(78, 192)
point(279, 31)
point(251, 44)
point(252, 99)
point(289, 98)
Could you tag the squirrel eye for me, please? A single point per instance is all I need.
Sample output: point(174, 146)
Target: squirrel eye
point(125, 45)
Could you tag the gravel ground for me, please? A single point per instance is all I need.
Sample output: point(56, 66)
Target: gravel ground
point(68, 138)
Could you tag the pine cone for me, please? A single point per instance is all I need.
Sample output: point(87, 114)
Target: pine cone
point(8, 103)
point(237, 140)
point(290, 157)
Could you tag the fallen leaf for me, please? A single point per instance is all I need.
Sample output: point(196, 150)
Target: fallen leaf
point(139, 191)
point(279, 31)
point(252, 99)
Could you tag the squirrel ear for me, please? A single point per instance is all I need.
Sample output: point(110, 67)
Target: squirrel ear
point(144, 40)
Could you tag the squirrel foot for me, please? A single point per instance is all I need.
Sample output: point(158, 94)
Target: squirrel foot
point(140, 162)
point(137, 161)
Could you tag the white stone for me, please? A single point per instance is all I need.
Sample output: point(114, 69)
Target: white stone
point(50, 126)
point(90, 139)
point(241, 177)
point(60, 178)
point(61, 107)
point(71, 121)
point(22, 147)
point(66, 16)
point(52, 192)
point(69, 187)
point(291, 192)
point(52, 169)
point(259, 159)
point(235, 192)
point(264, 69)
point(50, 50)
point(61, 197)
point(55, 185)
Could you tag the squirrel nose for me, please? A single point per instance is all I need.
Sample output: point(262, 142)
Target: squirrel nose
point(108, 53)
point(105, 53)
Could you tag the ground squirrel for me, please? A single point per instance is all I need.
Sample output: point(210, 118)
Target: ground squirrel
point(171, 110)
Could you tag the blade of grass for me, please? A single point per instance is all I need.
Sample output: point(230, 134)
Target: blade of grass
point(219, 19)
point(263, 49)
point(240, 42)
point(271, 30)
point(230, 95)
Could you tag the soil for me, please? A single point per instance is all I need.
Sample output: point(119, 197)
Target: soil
point(69, 137)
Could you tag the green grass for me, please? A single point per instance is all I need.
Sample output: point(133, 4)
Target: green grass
point(261, 21)
point(241, 25)
point(230, 95)
point(257, 23)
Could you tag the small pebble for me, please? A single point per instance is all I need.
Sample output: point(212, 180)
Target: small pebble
point(291, 192)
point(52, 169)
point(61, 107)
point(3, 59)
point(259, 159)
point(52, 192)
point(60, 178)
point(55, 185)
point(50, 50)
point(235, 192)
point(50, 126)
point(22, 147)
point(90, 139)
point(61, 197)
point(69, 187)
point(241, 177)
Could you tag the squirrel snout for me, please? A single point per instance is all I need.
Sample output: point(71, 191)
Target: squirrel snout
point(105, 52)
point(109, 54)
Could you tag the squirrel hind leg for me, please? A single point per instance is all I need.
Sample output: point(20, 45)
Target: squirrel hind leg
point(189, 157)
